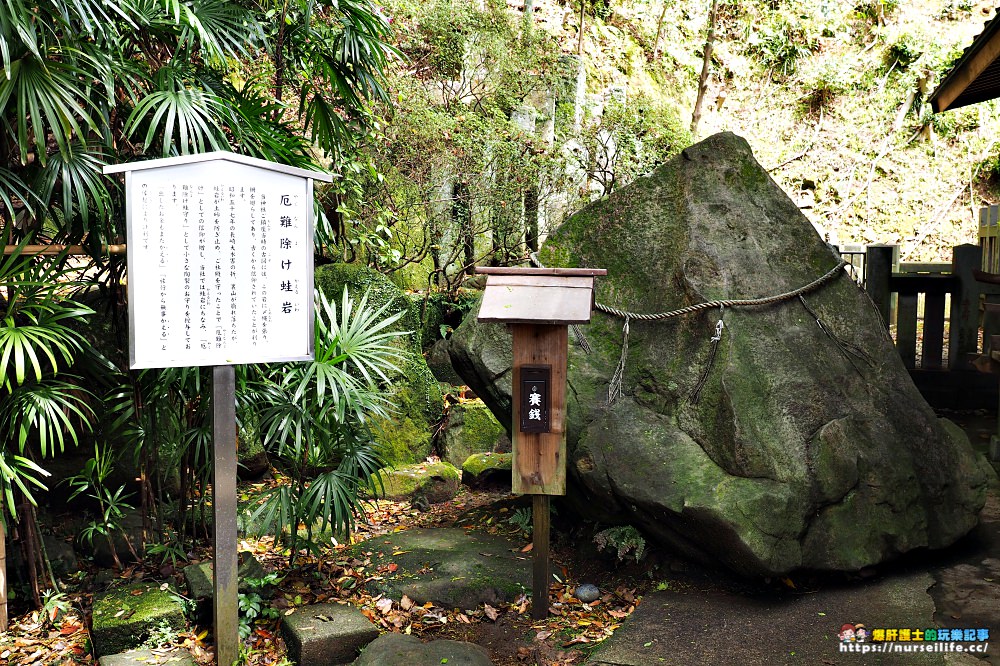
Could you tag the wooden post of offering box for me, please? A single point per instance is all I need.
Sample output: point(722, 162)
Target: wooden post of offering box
point(539, 304)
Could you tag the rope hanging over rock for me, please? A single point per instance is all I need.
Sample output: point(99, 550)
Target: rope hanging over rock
point(615, 388)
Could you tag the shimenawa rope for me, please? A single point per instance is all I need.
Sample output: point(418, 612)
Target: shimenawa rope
point(615, 390)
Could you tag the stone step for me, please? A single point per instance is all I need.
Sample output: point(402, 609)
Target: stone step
point(124, 617)
point(174, 657)
point(326, 634)
point(392, 649)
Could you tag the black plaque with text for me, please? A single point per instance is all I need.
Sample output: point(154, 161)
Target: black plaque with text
point(536, 387)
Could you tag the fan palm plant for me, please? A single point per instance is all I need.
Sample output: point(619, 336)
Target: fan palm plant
point(43, 405)
point(315, 417)
point(85, 82)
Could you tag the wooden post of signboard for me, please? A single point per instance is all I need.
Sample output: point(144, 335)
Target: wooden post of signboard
point(220, 268)
point(539, 304)
point(225, 607)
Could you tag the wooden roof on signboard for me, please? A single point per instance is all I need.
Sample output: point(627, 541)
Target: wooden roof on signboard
point(538, 295)
point(222, 155)
point(976, 76)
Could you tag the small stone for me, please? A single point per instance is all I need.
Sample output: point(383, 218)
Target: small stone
point(435, 482)
point(200, 578)
point(124, 617)
point(587, 593)
point(481, 470)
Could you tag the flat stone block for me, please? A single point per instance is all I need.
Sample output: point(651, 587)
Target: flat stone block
point(392, 649)
point(326, 634)
point(124, 617)
point(174, 657)
point(200, 577)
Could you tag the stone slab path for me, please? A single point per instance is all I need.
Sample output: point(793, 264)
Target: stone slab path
point(450, 567)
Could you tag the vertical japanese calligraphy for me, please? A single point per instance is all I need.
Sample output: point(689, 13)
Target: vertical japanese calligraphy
point(221, 265)
point(535, 395)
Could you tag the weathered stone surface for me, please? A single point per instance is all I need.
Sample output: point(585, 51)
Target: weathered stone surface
point(200, 579)
point(61, 555)
point(434, 482)
point(124, 617)
point(487, 469)
point(176, 657)
point(326, 634)
point(406, 436)
point(400, 649)
point(450, 567)
point(439, 363)
point(791, 457)
point(471, 428)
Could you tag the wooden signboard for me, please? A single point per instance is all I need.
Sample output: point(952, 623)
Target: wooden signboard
point(220, 272)
point(539, 304)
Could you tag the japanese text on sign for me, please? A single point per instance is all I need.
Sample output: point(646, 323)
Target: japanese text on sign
point(535, 389)
point(220, 271)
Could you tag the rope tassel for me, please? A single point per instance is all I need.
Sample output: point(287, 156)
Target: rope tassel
point(716, 339)
point(615, 387)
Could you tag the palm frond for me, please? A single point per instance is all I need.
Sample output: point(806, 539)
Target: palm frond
point(182, 117)
point(82, 188)
point(44, 96)
point(50, 410)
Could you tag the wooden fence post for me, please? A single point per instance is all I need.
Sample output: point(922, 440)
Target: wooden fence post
point(879, 263)
point(964, 317)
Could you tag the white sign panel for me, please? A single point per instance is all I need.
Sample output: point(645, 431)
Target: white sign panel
point(220, 265)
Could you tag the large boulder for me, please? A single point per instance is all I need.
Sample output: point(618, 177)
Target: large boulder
point(796, 452)
point(406, 436)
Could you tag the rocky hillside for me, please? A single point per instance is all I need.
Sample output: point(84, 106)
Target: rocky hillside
point(830, 95)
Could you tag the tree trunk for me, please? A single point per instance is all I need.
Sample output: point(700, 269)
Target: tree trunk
point(579, 43)
point(531, 219)
point(659, 30)
point(705, 66)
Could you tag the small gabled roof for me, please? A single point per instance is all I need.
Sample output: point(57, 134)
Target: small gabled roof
point(976, 76)
point(538, 295)
point(217, 155)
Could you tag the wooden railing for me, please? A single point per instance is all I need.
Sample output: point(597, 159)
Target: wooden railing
point(934, 309)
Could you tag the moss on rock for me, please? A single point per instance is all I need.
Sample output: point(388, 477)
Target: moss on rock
point(124, 617)
point(772, 451)
point(481, 469)
point(405, 437)
point(472, 428)
point(434, 482)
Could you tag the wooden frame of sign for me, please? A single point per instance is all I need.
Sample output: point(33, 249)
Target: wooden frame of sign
point(220, 272)
point(539, 304)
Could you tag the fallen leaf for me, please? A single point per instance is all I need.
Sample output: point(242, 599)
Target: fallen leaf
point(406, 603)
point(490, 612)
point(528, 547)
point(384, 605)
